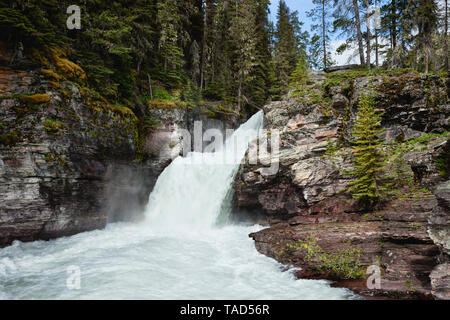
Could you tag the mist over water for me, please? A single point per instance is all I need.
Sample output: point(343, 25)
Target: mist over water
point(179, 252)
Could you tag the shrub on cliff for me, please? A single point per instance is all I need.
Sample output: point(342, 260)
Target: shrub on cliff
point(368, 159)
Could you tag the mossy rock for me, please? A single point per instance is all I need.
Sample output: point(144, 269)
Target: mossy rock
point(67, 67)
point(52, 126)
point(51, 74)
point(9, 139)
point(160, 104)
point(35, 98)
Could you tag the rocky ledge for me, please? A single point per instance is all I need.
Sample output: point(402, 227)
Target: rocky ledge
point(316, 225)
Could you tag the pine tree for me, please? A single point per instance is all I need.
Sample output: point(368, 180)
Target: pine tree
point(368, 35)
point(244, 38)
point(259, 90)
point(368, 160)
point(287, 46)
point(321, 14)
point(169, 49)
point(426, 22)
point(300, 75)
point(347, 19)
point(397, 21)
point(208, 43)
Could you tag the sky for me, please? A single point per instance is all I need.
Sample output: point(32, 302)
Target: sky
point(303, 6)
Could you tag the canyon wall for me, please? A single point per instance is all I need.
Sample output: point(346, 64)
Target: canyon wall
point(306, 203)
point(69, 161)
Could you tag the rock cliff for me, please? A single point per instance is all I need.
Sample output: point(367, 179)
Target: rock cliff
point(71, 162)
point(316, 225)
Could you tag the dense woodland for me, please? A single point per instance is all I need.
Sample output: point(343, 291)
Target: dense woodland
point(224, 50)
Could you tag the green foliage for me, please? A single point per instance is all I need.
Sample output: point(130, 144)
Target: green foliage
point(341, 264)
point(9, 139)
point(319, 51)
point(289, 44)
point(52, 126)
point(161, 94)
point(338, 78)
point(299, 77)
point(442, 164)
point(15, 23)
point(368, 159)
point(192, 94)
point(150, 122)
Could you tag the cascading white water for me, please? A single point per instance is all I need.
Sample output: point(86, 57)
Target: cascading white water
point(189, 194)
point(179, 252)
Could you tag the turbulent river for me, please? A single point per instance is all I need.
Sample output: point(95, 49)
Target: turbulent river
point(185, 248)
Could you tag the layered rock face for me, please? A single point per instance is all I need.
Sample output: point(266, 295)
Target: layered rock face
point(68, 162)
point(439, 232)
point(53, 158)
point(406, 236)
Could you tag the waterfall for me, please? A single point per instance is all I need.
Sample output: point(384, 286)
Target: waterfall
point(190, 193)
point(177, 253)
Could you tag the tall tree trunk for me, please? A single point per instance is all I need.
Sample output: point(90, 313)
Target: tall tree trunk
point(377, 63)
point(368, 34)
point(359, 33)
point(376, 39)
point(446, 36)
point(207, 41)
point(324, 36)
point(205, 28)
point(150, 86)
point(240, 92)
point(394, 24)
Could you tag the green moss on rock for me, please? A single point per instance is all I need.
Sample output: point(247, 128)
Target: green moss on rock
point(342, 264)
point(9, 139)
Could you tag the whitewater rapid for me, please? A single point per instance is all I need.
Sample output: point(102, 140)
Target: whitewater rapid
point(185, 248)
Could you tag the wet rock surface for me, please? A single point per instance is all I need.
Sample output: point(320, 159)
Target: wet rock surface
point(407, 235)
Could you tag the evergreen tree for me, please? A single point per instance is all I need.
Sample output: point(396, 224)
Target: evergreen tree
point(347, 19)
point(300, 75)
point(368, 160)
point(244, 44)
point(321, 14)
point(208, 43)
point(287, 46)
point(426, 22)
point(169, 49)
point(368, 35)
point(259, 91)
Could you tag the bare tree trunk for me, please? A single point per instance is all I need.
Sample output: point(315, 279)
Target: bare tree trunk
point(150, 86)
point(359, 33)
point(204, 44)
point(446, 36)
point(324, 36)
point(376, 41)
point(377, 62)
point(368, 34)
point(394, 25)
point(239, 94)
